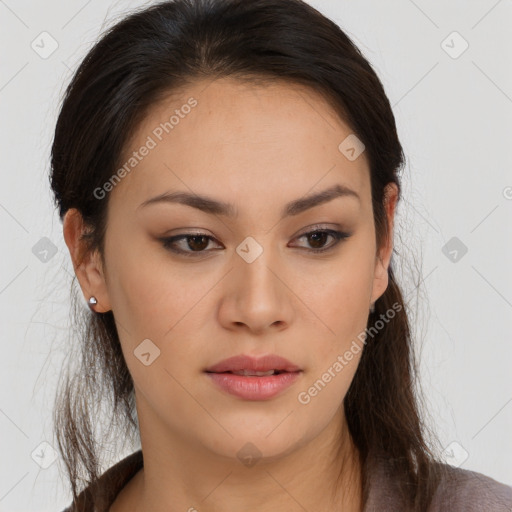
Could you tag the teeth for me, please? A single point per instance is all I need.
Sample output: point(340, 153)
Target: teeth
point(246, 373)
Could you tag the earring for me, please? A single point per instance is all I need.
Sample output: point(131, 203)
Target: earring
point(92, 302)
point(372, 308)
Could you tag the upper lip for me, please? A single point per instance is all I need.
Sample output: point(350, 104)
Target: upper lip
point(256, 364)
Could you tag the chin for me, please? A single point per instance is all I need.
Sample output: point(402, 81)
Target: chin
point(251, 446)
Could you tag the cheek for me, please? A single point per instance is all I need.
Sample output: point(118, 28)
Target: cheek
point(341, 301)
point(147, 292)
point(343, 306)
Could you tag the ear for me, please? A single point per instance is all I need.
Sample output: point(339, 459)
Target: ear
point(87, 264)
point(383, 258)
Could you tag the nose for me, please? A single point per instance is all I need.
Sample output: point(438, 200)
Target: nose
point(257, 296)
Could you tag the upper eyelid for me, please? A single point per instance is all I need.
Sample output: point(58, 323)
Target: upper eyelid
point(307, 230)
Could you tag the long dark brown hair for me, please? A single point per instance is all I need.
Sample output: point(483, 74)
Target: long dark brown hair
point(144, 57)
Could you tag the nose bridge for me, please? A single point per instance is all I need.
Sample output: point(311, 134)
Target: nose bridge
point(260, 294)
point(257, 265)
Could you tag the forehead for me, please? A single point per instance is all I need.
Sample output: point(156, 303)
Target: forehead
point(257, 140)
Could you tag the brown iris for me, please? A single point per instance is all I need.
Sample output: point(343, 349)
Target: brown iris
point(318, 237)
point(201, 245)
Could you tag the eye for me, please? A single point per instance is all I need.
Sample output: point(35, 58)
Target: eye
point(318, 237)
point(195, 244)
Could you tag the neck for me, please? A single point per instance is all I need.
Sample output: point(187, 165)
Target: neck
point(323, 474)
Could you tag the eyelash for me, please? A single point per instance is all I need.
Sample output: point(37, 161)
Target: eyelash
point(168, 242)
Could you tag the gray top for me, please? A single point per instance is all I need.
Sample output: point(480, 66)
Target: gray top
point(460, 490)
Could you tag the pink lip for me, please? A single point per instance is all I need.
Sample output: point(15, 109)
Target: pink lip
point(253, 387)
point(260, 364)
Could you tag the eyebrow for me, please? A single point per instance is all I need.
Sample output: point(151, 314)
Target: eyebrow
point(214, 207)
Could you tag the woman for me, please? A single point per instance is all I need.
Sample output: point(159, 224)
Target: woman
point(227, 176)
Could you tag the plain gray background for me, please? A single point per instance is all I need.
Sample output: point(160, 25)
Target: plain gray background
point(454, 111)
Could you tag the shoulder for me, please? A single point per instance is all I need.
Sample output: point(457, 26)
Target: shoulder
point(462, 490)
point(457, 490)
point(98, 496)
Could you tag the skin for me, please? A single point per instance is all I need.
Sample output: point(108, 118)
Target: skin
point(257, 147)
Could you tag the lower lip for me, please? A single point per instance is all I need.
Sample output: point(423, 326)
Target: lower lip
point(254, 388)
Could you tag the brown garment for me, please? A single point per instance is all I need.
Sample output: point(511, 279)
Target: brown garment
point(460, 491)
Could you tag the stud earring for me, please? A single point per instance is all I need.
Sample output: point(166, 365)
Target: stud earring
point(92, 302)
point(372, 308)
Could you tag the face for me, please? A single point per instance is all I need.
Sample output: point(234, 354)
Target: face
point(258, 277)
